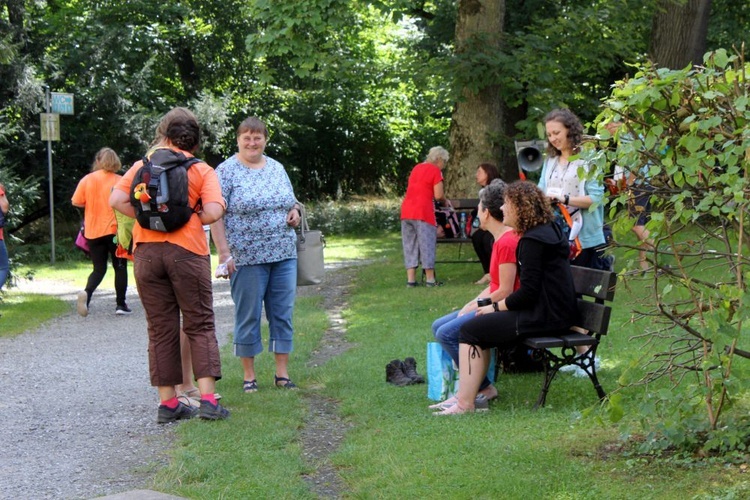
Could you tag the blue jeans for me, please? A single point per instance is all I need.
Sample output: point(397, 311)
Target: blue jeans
point(4, 264)
point(274, 286)
point(446, 331)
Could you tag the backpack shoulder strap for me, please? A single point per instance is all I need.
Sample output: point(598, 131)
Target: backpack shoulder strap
point(189, 162)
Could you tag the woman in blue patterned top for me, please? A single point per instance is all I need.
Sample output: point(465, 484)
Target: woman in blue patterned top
point(256, 241)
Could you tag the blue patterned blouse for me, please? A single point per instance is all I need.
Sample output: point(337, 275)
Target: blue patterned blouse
point(258, 202)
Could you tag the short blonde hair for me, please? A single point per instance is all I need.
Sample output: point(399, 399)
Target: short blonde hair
point(437, 153)
point(106, 159)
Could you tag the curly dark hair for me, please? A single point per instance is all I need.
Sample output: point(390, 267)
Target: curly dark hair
point(532, 206)
point(181, 127)
point(569, 121)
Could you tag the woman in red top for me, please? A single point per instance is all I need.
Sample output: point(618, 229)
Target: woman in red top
point(418, 225)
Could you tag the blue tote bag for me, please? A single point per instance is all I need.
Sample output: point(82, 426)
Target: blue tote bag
point(442, 375)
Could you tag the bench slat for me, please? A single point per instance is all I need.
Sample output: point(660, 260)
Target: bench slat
point(593, 317)
point(576, 339)
point(594, 282)
point(544, 342)
point(464, 203)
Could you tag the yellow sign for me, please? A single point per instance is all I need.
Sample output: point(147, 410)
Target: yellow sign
point(50, 125)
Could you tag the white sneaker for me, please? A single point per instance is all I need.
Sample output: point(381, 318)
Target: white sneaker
point(581, 373)
point(568, 368)
point(81, 305)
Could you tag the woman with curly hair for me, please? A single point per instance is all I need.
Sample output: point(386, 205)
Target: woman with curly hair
point(564, 180)
point(544, 302)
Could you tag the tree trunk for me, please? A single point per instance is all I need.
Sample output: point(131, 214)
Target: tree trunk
point(477, 121)
point(678, 33)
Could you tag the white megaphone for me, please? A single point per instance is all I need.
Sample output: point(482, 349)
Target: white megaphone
point(530, 155)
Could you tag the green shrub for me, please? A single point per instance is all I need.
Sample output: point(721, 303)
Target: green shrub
point(687, 138)
point(356, 216)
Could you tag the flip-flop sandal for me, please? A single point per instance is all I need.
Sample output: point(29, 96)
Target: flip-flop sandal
point(250, 386)
point(288, 385)
point(194, 393)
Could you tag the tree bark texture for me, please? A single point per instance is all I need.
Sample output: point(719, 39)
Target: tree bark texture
point(477, 120)
point(678, 33)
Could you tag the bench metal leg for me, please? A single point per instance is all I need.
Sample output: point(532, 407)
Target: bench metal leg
point(549, 375)
point(553, 363)
point(586, 362)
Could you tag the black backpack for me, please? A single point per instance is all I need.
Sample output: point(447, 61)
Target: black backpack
point(159, 191)
point(518, 359)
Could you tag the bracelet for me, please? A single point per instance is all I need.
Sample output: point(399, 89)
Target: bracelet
point(567, 199)
point(494, 306)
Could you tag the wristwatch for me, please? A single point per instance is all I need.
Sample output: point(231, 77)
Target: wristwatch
point(494, 306)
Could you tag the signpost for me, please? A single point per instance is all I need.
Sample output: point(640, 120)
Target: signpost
point(56, 104)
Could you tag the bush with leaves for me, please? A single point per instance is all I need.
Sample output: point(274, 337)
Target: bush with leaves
point(688, 137)
point(356, 217)
point(22, 195)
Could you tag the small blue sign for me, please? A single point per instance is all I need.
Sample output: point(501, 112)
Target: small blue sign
point(61, 103)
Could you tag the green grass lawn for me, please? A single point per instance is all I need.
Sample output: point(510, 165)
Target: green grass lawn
point(21, 312)
point(393, 446)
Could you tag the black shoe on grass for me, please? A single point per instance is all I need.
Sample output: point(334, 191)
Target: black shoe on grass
point(182, 412)
point(394, 374)
point(410, 370)
point(212, 412)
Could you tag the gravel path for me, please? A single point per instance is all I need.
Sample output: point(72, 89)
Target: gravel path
point(80, 421)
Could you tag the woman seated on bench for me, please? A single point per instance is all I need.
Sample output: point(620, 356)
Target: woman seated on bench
point(544, 302)
point(503, 280)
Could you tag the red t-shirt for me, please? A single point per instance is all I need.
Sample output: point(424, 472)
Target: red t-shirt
point(420, 193)
point(503, 252)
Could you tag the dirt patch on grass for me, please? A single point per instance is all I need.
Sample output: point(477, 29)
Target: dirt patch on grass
point(324, 428)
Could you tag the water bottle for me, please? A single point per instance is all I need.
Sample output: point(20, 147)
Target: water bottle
point(462, 224)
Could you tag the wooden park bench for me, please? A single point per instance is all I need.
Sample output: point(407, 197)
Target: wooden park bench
point(595, 289)
point(460, 205)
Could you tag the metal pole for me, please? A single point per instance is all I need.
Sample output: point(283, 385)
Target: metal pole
point(51, 192)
